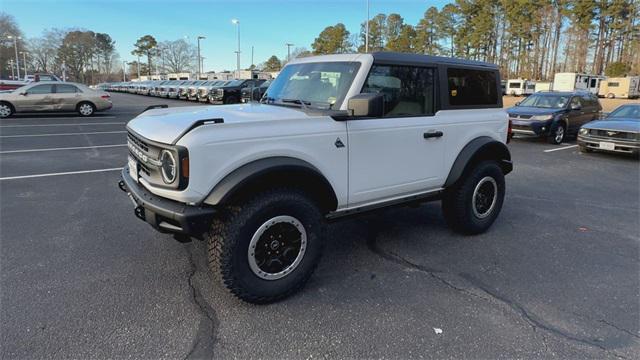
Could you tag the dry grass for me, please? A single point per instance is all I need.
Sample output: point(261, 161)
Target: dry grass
point(607, 104)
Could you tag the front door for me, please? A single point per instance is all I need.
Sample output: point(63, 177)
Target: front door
point(400, 153)
point(36, 98)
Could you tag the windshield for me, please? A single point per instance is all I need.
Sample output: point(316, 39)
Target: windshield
point(546, 101)
point(628, 111)
point(234, 83)
point(317, 84)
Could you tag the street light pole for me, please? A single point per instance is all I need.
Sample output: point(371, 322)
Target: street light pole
point(124, 71)
point(15, 45)
point(13, 74)
point(24, 61)
point(237, 22)
point(366, 39)
point(138, 66)
point(289, 51)
point(199, 58)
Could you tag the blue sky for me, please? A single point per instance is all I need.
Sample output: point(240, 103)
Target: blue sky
point(267, 24)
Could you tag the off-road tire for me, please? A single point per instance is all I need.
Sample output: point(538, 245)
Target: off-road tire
point(457, 204)
point(230, 235)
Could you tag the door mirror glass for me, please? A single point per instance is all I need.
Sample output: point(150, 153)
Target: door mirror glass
point(518, 103)
point(367, 105)
point(575, 106)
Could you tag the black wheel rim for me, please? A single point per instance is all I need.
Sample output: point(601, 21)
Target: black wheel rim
point(484, 197)
point(277, 247)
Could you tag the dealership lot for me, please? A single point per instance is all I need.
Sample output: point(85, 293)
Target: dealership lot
point(80, 276)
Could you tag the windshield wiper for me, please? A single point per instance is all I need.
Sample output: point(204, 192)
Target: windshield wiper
point(302, 103)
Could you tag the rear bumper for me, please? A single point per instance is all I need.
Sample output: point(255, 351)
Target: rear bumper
point(166, 216)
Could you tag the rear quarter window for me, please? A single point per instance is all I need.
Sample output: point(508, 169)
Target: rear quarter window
point(469, 87)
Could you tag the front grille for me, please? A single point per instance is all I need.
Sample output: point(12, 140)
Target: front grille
point(139, 143)
point(612, 134)
point(519, 116)
point(192, 91)
point(520, 127)
point(204, 92)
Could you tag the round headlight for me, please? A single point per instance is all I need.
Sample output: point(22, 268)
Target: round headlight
point(583, 131)
point(169, 170)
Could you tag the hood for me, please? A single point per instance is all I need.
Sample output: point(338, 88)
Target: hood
point(528, 110)
point(629, 125)
point(169, 124)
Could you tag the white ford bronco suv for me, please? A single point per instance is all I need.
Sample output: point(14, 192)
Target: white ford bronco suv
point(333, 136)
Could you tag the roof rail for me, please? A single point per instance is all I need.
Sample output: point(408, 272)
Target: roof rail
point(159, 106)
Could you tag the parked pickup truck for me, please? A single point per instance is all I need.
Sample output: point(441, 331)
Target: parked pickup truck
point(333, 136)
point(231, 92)
point(253, 93)
point(14, 84)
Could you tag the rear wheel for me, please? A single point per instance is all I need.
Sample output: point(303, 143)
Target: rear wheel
point(266, 249)
point(471, 206)
point(557, 134)
point(86, 109)
point(5, 110)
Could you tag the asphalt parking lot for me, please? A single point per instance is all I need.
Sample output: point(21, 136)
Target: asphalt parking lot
point(557, 276)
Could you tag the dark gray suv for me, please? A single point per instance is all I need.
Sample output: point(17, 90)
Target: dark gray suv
point(554, 115)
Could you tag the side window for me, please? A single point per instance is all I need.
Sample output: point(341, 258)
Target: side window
point(593, 83)
point(66, 88)
point(575, 101)
point(472, 87)
point(407, 90)
point(41, 89)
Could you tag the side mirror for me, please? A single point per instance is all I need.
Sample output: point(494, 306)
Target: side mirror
point(576, 107)
point(367, 105)
point(23, 93)
point(518, 103)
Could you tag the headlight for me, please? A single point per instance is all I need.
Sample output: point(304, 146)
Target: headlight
point(542, 117)
point(583, 131)
point(168, 169)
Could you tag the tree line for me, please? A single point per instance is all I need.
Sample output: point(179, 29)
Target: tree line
point(532, 39)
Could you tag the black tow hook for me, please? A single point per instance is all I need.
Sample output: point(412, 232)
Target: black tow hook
point(139, 211)
point(121, 186)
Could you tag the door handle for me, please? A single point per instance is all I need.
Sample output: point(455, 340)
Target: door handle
point(433, 134)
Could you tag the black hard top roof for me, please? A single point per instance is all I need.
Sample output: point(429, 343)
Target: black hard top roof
point(419, 59)
point(554, 92)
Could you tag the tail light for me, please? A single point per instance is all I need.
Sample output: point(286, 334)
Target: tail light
point(509, 132)
point(106, 96)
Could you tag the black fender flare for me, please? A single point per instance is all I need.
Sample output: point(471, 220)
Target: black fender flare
point(480, 148)
point(256, 170)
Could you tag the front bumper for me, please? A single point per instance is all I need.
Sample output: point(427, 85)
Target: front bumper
point(619, 146)
point(166, 216)
point(216, 100)
point(531, 128)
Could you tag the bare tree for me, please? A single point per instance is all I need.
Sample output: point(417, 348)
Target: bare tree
point(179, 55)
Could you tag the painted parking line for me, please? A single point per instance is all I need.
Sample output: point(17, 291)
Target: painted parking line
point(59, 174)
point(63, 134)
point(79, 124)
point(561, 148)
point(58, 149)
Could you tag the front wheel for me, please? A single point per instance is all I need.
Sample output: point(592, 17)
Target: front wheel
point(5, 110)
point(267, 248)
point(557, 134)
point(471, 206)
point(86, 109)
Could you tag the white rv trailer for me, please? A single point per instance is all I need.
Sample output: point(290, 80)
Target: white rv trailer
point(520, 87)
point(577, 81)
point(620, 87)
point(543, 86)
